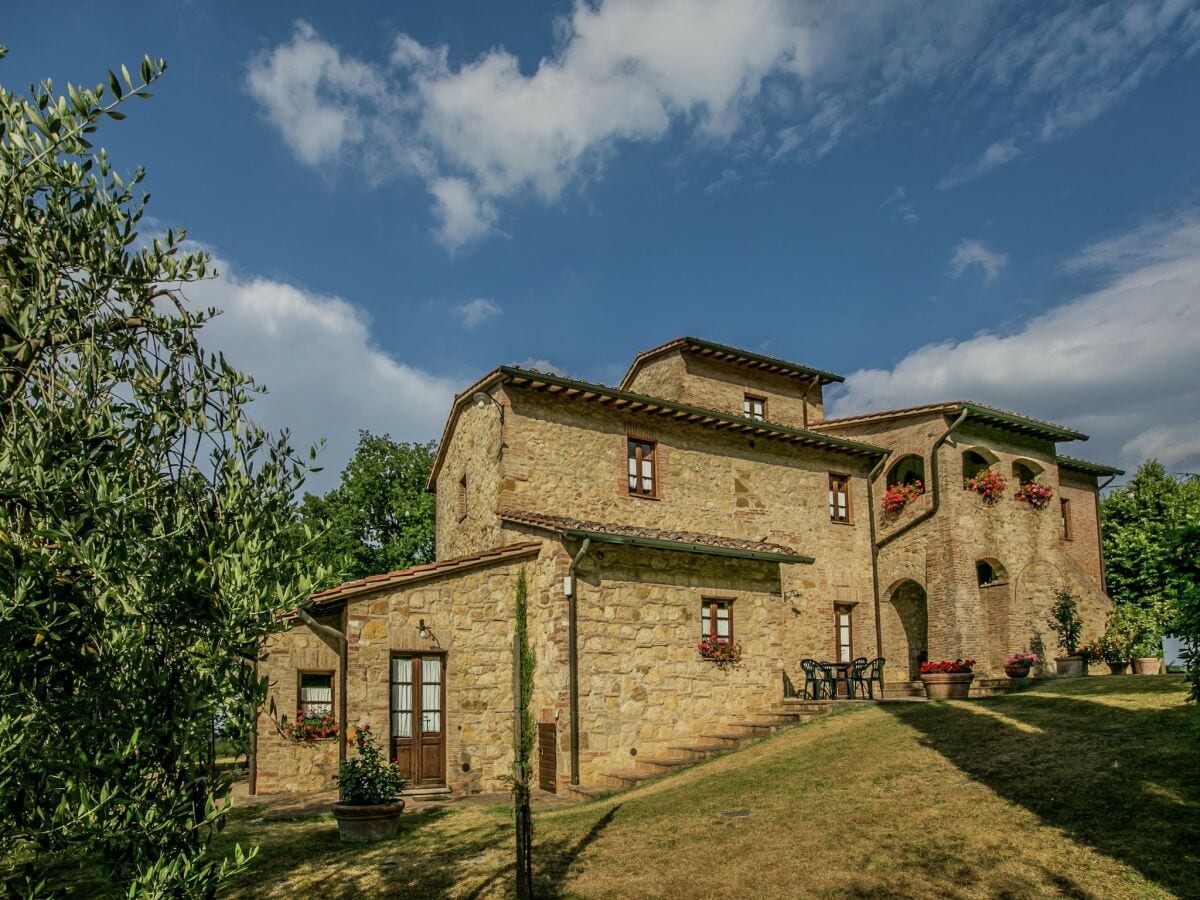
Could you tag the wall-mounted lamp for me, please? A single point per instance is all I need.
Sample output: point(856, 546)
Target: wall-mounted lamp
point(425, 633)
point(482, 399)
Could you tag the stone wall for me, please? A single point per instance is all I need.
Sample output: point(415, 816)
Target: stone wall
point(473, 453)
point(469, 615)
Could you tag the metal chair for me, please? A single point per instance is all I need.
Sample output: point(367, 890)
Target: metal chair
point(817, 679)
point(856, 682)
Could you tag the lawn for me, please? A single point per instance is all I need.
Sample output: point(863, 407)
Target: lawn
point(1081, 788)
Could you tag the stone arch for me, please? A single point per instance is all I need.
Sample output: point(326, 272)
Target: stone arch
point(1025, 471)
point(906, 628)
point(976, 460)
point(1032, 596)
point(907, 470)
point(990, 572)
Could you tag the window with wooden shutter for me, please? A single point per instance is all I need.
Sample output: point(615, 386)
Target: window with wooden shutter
point(716, 619)
point(642, 480)
point(754, 407)
point(839, 498)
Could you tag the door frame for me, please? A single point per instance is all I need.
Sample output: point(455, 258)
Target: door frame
point(415, 655)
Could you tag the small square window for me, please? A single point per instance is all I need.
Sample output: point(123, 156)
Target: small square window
point(754, 407)
point(642, 482)
point(716, 619)
point(316, 694)
point(839, 499)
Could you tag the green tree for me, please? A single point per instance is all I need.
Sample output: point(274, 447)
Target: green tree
point(1139, 522)
point(147, 528)
point(1187, 619)
point(380, 518)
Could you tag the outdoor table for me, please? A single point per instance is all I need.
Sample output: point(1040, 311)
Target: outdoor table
point(841, 678)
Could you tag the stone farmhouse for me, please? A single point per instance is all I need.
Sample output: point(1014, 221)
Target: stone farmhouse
point(707, 495)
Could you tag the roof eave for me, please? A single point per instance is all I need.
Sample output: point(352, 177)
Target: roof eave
point(578, 534)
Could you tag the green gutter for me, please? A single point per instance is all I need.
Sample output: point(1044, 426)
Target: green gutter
point(1086, 466)
point(821, 440)
point(577, 534)
point(1057, 432)
point(769, 360)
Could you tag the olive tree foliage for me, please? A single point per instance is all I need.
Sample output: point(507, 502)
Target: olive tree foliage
point(147, 529)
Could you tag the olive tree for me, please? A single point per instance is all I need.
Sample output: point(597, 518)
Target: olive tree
point(147, 527)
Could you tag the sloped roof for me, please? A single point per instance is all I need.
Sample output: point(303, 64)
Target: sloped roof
point(1087, 466)
point(429, 570)
point(1000, 418)
point(746, 358)
point(645, 404)
point(657, 538)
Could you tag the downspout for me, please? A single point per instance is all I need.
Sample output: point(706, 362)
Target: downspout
point(573, 656)
point(1100, 534)
point(338, 638)
point(875, 550)
point(934, 480)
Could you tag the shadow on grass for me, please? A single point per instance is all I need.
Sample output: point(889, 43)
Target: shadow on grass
point(1119, 779)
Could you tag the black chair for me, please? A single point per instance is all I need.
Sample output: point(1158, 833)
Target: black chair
point(856, 681)
point(817, 680)
point(875, 677)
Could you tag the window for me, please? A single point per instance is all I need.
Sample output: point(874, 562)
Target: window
point(909, 470)
point(1025, 472)
point(989, 572)
point(974, 463)
point(641, 468)
point(462, 498)
point(316, 694)
point(754, 407)
point(716, 620)
point(1065, 506)
point(839, 498)
point(844, 632)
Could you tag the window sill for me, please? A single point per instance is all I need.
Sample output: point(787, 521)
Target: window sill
point(836, 522)
point(642, 497)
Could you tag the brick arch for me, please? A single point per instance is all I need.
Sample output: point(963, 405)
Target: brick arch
point(976, 459)
point(905, 628)
point(1026, 470)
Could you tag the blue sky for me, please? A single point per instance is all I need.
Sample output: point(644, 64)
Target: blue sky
point(941, 200)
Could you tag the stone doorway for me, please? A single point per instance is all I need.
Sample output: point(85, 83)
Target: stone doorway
point(908, 643)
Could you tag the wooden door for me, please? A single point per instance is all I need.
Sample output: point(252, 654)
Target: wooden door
point(418, 718)
point(547, 757)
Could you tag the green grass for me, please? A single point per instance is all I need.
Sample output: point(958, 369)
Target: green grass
point(1081, 788)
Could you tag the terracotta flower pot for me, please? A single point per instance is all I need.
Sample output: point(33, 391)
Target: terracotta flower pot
point(1118, 668)
point(947, 685)
point(1071, 666)
point(1146, 665)
point(1017, 670)
point(368, 823)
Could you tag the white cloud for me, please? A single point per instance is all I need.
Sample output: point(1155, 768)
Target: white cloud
point(476, 312)
point(992, 158)
point(1119, 363)
point(976, 253)
point(539, 364)
point(325, 377)
point(900, 206)
point(797, 77)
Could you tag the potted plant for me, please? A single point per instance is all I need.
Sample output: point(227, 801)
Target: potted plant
point(722, 651)
point(948, 680)
point(987, 484)
point(899, 496)
point(1146, 656)
point(310, 727)
point(1019, 664)
point(370, 804)
point(1036, 495)
point(1065, 622)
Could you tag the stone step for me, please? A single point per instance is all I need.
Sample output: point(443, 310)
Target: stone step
point(699, 750)
point(624, 780)
point(585, 791)
point(418, 795)
point(751, 728)
point(660, 765)
point(731, 738)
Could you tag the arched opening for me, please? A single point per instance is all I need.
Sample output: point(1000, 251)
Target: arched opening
point(907, 470)
point(975, 461)
point(989, 572)
point(1025, 471)
point(907, 629)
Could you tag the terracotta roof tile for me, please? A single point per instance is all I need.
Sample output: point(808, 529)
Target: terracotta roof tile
point(948, 406)
point(429, 570)
point(563, 523)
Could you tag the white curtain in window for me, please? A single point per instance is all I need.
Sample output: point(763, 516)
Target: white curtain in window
point(402, 697)
point(316, 697)
point(431, 693)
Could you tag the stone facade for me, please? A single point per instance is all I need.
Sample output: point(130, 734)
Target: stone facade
point(552, 449)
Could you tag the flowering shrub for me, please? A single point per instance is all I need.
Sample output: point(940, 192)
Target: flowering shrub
point(722, 651)
point(1036, 495)
point(948, 667)
point(1023, 659)
point(987, 484)
point(310, 728)
point(368, 780)
point(899, 496)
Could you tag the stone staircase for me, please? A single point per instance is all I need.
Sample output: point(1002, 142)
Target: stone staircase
point(726, 737)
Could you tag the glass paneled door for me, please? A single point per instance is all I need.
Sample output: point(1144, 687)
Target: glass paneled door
point(418, 723)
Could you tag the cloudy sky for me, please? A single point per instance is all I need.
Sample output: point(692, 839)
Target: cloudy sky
point(986, 201)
